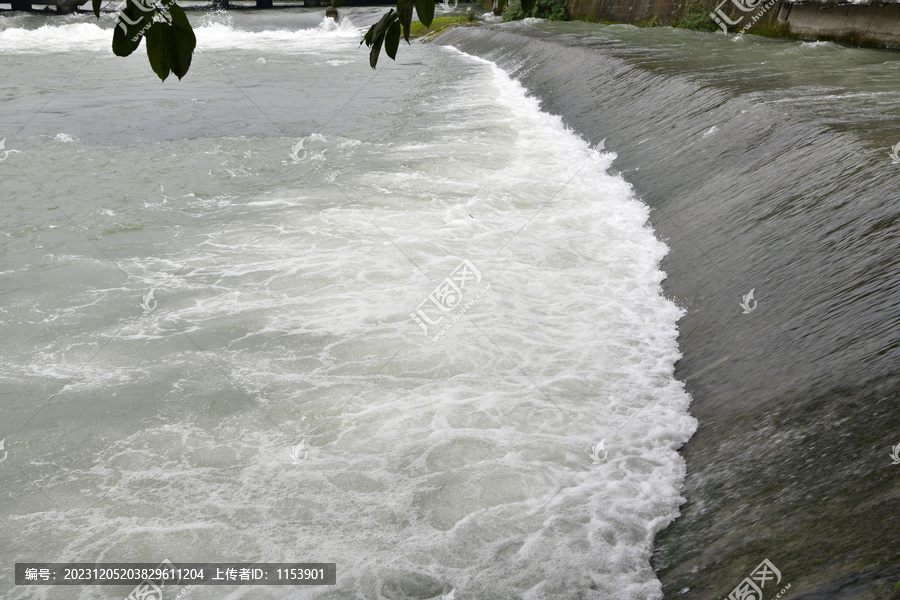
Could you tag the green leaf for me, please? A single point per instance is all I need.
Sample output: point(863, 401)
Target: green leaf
point(180, 20)
point(131, 24)
point(377, 30)
point(527, 7)
point(382, 26)
point(425, 10)
point(376, 49)
point(170, 47)
point(375, 36)
point(180, 49)
point(95, 4)
point(392, 40)
point(404, 12)
point(182, 42)
point(156, 51)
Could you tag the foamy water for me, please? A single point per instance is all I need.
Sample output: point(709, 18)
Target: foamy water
point(275, 400)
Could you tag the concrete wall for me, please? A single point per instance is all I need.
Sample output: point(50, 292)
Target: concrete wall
point(873, 24)
point(670, 12)
point(868, 23)
point(626, 11)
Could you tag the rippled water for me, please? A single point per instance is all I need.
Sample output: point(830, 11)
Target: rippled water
point(275, 399)
point(767, 167)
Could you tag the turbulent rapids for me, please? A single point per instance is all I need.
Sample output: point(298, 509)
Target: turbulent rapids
point(767, 167)
point(289, 309)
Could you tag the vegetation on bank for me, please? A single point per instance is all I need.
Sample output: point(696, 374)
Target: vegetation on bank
point(438, 25)
point(696, 17)
point(552, 10)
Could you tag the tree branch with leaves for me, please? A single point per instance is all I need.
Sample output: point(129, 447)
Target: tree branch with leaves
point(171, 41)
point(170, 38)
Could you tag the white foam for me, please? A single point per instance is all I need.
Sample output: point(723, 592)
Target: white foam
point(462, 463)
point(211, 35)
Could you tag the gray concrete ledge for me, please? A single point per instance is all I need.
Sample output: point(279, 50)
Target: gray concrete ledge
point(866, 24)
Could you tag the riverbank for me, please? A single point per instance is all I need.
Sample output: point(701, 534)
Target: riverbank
point(438, 26)
point(862, 23)
point(764, 162)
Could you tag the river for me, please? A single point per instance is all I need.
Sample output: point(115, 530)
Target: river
point(293, 309)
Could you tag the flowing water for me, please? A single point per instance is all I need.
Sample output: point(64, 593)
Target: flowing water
point(401, 320)
point(767, 166)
